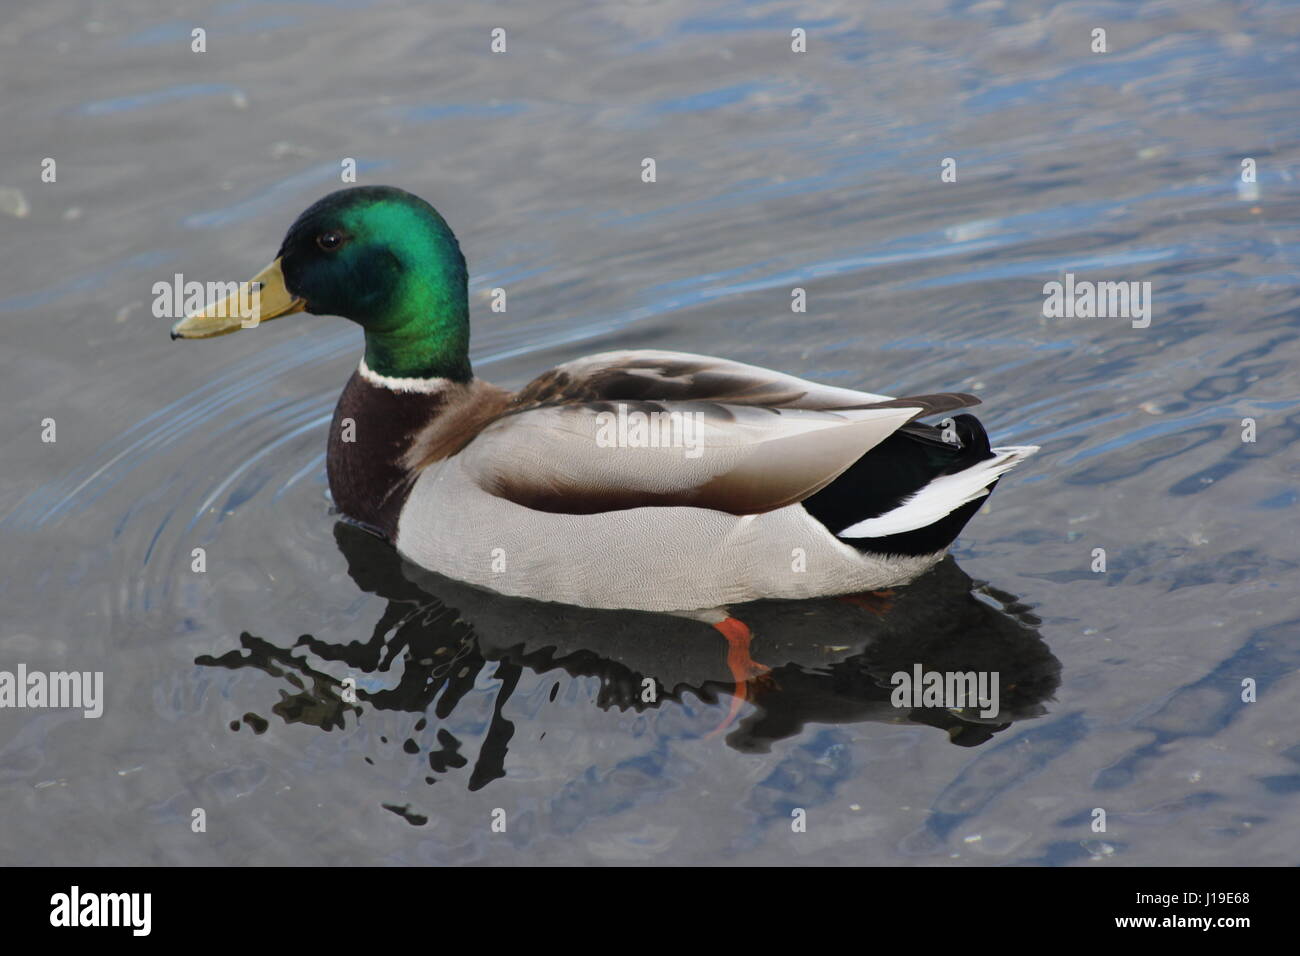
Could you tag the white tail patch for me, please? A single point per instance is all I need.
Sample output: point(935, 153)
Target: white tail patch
point(942, 496)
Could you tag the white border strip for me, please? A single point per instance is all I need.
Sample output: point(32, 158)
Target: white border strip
point(425, 386)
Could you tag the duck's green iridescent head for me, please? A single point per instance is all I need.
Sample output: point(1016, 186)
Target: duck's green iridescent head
point(381, 257)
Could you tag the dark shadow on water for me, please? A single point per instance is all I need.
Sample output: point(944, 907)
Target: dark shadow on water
point(831, 662)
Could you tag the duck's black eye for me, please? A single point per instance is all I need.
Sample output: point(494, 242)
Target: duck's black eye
point(329, 241)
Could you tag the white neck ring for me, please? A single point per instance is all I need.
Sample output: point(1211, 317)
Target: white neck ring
point(423, 386)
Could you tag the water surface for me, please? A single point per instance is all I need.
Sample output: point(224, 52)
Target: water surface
point(775, 170)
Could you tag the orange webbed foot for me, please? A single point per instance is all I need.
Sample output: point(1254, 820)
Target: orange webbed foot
point(878, 603)
point(749, 675)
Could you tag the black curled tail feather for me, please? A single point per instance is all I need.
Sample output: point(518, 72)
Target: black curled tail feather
point(891, 472)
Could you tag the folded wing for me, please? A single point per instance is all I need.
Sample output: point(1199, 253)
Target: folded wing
point(596, 456)
point(655, 375)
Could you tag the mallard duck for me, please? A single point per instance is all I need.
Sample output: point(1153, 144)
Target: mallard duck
point(638, 479)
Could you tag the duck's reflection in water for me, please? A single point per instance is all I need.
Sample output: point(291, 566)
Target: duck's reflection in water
point(831, 661)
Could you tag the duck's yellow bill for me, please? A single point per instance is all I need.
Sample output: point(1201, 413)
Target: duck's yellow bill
point(245, 306)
